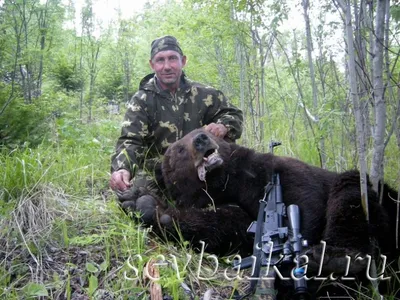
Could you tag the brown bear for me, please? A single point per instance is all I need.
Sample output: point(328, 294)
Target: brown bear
point(217, 187)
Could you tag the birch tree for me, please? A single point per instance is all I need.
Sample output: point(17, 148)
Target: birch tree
point(358, 113)
point(126, 52)
point(306, 6)
point(92, 46)
point(376, 171)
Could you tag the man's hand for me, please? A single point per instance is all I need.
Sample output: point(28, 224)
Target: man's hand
point(218, 130)
point(120, 180)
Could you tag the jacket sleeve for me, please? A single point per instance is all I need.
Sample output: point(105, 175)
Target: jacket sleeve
point(221, 111)
point(130, 146)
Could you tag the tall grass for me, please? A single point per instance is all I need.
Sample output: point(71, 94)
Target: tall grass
point(76, 158)
point(62, 235)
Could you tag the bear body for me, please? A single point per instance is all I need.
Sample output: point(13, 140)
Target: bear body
point(217, 187)
point(202, 170)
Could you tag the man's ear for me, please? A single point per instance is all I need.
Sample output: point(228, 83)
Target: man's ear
point(184, 59)
point(151, 64)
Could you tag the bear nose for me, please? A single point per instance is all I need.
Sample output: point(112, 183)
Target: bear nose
point(201, 141)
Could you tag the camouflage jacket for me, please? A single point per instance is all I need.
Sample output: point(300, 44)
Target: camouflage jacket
point(156, 118)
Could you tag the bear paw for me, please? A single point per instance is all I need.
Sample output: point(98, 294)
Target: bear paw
point(334, 260)
point(131, 194)
point(146, 206)
point(143, 205)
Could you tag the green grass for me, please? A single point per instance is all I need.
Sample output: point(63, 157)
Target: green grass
point(77, 161)
point(61, 232)
point(62, 235)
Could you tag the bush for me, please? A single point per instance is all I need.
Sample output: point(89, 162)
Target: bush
point(22, 124)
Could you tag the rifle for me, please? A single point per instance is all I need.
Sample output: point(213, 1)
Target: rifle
point(275, 245)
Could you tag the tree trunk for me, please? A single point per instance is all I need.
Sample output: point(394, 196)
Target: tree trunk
point(356, 103)
point(26, 71)
point(306, 6)
point(242, 78)
point(391, 97)
point(362, 32)
point(127, 74)
point(82, 85)
point(95, 48)
point(42, 23)
point(376, 172)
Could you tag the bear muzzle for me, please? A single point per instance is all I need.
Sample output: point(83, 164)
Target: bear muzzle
point(207, 156)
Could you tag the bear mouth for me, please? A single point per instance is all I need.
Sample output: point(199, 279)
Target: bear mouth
point(210, 161)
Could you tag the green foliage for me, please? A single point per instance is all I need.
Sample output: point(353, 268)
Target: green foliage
point(395, 12)
point(33, 290)
point(75, 157)
point(23, 124)
point(111, 78)
point(93, 285)
point(67, 74)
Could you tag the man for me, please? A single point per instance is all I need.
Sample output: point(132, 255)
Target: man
point(167, 106)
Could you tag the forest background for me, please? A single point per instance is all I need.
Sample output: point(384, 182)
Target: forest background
point(322, 77)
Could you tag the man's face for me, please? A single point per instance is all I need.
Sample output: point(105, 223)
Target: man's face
point(168, 66)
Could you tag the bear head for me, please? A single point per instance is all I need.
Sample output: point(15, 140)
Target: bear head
point(188, 160)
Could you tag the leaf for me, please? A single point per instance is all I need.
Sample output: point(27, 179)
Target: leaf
point(85, 240)
point(91, 268)
point(104, 265)
point(35, 290)
point(93, 284)
point(395, 11)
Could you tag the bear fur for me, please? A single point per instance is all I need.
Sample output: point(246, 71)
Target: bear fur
point(217, 186)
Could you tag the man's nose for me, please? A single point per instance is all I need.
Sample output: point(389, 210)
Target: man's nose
point(167, 64)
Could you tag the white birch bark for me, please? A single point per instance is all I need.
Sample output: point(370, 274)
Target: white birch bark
point(376, 172)
point(356, 103)
point(359, 122)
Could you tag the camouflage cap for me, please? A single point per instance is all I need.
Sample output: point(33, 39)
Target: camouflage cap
point(164, 43)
